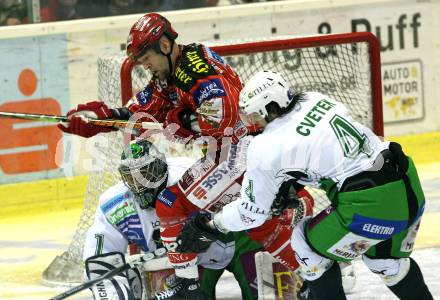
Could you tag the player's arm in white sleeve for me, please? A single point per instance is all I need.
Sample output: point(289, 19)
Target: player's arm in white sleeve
point(256, 197)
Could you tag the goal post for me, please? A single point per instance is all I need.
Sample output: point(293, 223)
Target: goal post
point(344, 66)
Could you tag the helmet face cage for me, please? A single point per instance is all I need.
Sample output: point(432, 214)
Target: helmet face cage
point(143, 170)
point(263, 88)
point(146, 33)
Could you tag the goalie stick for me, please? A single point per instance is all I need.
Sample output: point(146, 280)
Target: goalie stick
point(150, 261)
point(63, 119)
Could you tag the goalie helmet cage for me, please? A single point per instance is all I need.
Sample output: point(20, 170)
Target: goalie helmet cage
point(343, 66)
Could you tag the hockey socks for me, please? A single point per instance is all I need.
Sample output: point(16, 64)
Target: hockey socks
point(412, 286)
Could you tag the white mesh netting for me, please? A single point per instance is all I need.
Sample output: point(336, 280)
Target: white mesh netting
point(342, 71)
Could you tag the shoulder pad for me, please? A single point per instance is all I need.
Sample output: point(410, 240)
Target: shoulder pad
point(193, 65)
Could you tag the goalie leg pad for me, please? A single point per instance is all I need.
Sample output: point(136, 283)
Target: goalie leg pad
point(312, 265)
point(123, 286)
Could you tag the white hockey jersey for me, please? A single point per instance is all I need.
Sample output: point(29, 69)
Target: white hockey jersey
point(317, 140)
point(119, 220)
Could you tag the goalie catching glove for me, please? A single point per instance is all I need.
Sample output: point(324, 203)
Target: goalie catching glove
point(78, 119)
point(197, 235)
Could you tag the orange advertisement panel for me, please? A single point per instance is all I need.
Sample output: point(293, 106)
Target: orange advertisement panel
point(34, 79)
point(29, 146)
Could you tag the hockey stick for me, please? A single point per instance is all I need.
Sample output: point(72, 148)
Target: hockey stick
point(63, 119)
point(133, 261)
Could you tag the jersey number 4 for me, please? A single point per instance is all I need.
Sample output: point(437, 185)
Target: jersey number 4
point(350, 139)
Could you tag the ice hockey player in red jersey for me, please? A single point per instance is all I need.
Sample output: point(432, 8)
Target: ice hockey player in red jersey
point(191, 86)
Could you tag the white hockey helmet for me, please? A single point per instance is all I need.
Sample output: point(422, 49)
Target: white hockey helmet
point(262, 89)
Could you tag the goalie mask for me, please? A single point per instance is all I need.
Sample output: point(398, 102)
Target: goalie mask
point(144, 171)
point(263, 89)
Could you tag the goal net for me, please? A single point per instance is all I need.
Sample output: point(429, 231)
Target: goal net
point(344, 66)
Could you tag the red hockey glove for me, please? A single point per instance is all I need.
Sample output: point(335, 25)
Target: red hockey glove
point(78, 119)
point(182, 122)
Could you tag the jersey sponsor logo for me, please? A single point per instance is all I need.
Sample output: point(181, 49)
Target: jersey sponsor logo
point(208, 90)
point(224, 199)
point(249, 191)
point(209, 183)
point(216, 176)
point(175, 257)
point(155, 224)
point(107, 206)
point(186, 180)
point(184, 266)
point(237, 158)
point(246, 220)
point(121, 213)
point(351, 245)
point(167, 197)
point(344, 254)
point(173, 96)
point(407, 244)
point(253, 209)
point(240, 130)
point(211, 111)
point(144, 96)
point(375, 228)
point(196, 171)
point(313, 117)
point(212, 54)
point(183, 77)
point(197, 62)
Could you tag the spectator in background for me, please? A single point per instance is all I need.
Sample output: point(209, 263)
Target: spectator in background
point(67, 10)
point(126, 7)
point(104, 8)
point(164, 5)
point(12, 12)
point(57, 10)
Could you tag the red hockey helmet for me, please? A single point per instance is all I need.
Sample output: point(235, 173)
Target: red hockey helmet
point(146, 32)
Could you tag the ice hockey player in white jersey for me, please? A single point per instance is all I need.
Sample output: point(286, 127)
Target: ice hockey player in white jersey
point(126, 214)
point(377, 201)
